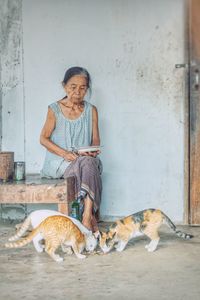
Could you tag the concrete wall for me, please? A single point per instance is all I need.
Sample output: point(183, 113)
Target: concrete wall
point(12, 77)
point(11, 89)
point(0, 107)
point(130, 47)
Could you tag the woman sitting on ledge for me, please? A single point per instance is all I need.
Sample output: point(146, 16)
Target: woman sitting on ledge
point(73, 122)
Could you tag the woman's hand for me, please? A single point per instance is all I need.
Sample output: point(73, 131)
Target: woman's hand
point(70, 156)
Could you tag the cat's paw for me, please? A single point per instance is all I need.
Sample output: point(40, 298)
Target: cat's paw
point(119, 249)
point(58, 258)
point(151, 249)
point(120, 246)
point(40, 249)
point(152, 246)
point(81, 256)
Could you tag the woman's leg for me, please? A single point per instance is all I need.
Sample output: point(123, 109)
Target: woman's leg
point(86, 171)
point(87, 213)
point(94, 224)
point(89, 219)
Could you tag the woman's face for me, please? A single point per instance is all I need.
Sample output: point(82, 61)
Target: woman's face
point(76, 88)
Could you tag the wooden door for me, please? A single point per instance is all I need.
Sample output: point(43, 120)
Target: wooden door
point(194, 90)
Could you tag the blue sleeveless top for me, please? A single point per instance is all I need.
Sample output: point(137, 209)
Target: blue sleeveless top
point(67, 134)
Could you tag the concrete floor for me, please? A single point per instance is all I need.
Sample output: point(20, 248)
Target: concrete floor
point(172, 272)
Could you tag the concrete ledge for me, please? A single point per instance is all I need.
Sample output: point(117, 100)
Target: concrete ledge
point(37, 190)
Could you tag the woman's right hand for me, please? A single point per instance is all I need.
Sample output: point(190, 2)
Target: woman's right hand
point(70, 156)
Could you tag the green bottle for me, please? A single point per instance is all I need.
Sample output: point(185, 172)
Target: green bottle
point(75, 210)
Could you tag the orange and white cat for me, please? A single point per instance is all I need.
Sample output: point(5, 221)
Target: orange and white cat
point(145, 222)
point(56, 231)
point(37, 216)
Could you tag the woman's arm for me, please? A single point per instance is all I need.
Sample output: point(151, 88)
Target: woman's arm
point(95, 134)
point(95, 128)
point(45, 135)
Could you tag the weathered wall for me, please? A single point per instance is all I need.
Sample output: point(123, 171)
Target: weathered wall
point(12, 77)
point(130, 48)
point(0, 87)
point(11, 91)
point(1, 47)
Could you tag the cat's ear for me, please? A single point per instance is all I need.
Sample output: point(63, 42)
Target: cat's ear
point(114, 234)
point(111, 235)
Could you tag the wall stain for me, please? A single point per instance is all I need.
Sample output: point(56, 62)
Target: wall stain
point(10, 75)
point(10, 44)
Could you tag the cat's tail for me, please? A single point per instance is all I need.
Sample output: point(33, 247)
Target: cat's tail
point(171, 225)
point(24, 241)
point(24, 227)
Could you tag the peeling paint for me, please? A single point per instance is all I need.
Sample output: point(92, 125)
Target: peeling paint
point(11, 86)
point(11, 39)
point(12, 91)
point(0, 111)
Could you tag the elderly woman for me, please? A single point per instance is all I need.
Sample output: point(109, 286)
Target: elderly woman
point(73, 122)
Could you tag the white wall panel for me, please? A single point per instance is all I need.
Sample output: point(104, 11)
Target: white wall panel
point(12, 78)
point(130, 47)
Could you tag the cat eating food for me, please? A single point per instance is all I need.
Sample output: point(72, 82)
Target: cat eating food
point(37, 216)
point(56, 231)
point(145, 222)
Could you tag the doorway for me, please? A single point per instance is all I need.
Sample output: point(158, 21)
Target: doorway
point(194, 109)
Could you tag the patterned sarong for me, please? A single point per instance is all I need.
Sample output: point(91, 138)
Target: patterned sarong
point(87, 171)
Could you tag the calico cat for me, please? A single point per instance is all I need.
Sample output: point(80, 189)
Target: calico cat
point(56, 231)
point(37, 216)
point(145, 222)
